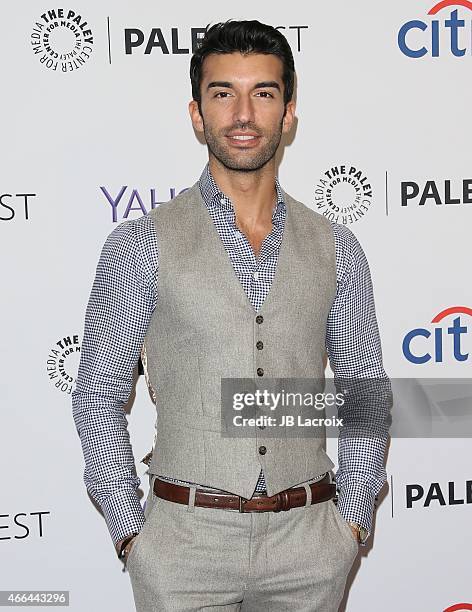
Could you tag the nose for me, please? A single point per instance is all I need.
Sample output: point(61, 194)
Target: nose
point(244, 111)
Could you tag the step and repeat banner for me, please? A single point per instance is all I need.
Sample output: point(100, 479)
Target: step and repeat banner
point(95, 131)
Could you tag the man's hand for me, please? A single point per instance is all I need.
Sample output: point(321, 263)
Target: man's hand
point(355, 532)
point(128, 548)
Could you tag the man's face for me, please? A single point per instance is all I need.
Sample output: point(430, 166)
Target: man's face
point(242, 109)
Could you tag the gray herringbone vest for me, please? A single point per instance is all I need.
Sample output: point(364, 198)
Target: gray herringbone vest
point(204, 328)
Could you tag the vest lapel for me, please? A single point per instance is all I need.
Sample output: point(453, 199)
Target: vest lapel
point(217, 252)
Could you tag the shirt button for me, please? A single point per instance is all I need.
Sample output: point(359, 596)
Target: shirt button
point(260, 372)
point(222, 201)
point(259, 319)
point(256, 275)
point(262, 450)
point(259, 344)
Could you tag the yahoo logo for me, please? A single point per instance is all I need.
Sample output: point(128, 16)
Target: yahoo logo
point(419, 38)
point(417, 341)
point(133, 200)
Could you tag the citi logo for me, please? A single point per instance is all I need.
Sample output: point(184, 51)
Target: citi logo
point(443, 341)
point(448, 34)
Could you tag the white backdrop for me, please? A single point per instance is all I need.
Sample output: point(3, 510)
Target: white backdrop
point(76, 135)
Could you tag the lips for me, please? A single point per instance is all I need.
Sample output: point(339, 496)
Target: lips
point(243, 137)
point(246, 139)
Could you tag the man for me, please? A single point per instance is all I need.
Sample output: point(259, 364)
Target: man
point(231, 279)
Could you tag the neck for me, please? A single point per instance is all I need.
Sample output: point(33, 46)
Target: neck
point(253, 194)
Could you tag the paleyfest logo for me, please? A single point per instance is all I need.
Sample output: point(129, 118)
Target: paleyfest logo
point(181, 41)
point(15, 205)
point(445, 34)
point(62, 39)
point(436, 192)
point(443, 341)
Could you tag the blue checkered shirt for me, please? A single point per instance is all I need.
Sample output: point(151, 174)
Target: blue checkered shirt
point(123, 296)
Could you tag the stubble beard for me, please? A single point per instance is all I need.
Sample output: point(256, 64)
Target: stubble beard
point(245, 161)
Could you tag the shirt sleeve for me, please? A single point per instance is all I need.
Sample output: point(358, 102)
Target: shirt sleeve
point(355, 354)
point(118, 312)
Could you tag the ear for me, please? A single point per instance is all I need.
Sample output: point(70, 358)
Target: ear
point(197, 119)
point(288, 117)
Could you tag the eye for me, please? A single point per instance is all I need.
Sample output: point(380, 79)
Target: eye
point(222, 94)
point(264, 94)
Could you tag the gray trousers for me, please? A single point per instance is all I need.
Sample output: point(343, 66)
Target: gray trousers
point(187, 558)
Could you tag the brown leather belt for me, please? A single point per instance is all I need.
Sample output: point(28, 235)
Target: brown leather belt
point(321, 491)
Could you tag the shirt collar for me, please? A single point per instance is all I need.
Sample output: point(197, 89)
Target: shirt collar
point(213, 196)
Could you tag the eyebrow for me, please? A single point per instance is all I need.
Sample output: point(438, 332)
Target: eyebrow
point(261, 85)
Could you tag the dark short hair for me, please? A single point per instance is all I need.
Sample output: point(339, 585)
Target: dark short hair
point(243, 37)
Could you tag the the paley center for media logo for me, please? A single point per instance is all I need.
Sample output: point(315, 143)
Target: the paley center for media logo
point(343, 194)
point(63, 362)
point(446, 29)
point(62, 39)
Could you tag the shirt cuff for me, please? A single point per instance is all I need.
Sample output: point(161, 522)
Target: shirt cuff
point(356, 504)
point(123, 515)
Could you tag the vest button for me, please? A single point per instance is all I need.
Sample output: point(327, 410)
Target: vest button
point(260, 372)
point(259, 344)
point(262, 450)
point(259, 319)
